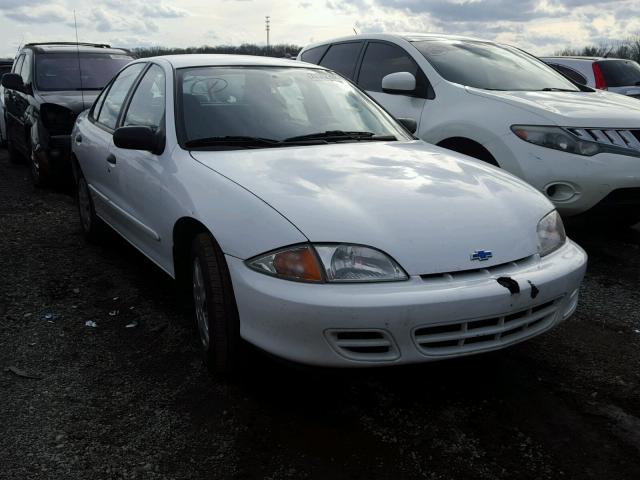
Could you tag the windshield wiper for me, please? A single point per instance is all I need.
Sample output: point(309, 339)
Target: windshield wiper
point(551, 89)
point(338, 135)
point(232, 140)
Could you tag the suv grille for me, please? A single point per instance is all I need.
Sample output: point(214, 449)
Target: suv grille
point(474, 335)
point(619, 138)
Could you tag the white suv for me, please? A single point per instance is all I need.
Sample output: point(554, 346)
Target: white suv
point(580, 147)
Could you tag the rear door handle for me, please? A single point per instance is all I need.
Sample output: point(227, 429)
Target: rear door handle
point(111, 159)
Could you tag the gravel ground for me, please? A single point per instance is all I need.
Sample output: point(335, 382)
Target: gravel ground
point(118, 402)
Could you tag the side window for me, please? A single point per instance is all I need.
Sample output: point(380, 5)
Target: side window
point(342, 58)
point(18, 64)
point(114, 99)
point(147, 104)
point(95, 110)
point(314, 55)
point(571, 73)
point(381, 59)
point(25, 72)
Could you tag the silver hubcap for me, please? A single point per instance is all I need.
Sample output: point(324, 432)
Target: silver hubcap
point(200, 303)
point(84, 205)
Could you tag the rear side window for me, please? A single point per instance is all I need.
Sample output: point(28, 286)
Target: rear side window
point(342, 58)
point(314, 55)
point(570, 73)
point(620, 73)
point(381, 59)
point(117, 93)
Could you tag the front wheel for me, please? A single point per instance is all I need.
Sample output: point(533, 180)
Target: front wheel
point(215, 306)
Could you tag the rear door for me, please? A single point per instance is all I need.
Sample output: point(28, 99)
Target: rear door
point(95, 136)
point(383, 58)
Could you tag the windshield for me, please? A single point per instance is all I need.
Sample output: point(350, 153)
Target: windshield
point(620, 73)
point(59, 71)
point(490, 66)
point(276, 104)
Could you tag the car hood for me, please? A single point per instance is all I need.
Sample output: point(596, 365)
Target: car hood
point(427, 207)
point(597, 109)
point(73, 100)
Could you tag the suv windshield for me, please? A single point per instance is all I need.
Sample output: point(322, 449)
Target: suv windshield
point(491, 66)
point(258, 107)
point(61, 71)
point(620, 73)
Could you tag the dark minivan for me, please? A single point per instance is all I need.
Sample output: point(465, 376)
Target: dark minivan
point(49, 85)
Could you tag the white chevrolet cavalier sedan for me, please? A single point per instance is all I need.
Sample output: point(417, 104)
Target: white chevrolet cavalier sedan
point(310, 223)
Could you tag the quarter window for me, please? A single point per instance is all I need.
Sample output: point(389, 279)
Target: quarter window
point(314, 55)
point(381, 59)
point(342, 58)
point(117, 93)
point(95, 111)
point(147, 104)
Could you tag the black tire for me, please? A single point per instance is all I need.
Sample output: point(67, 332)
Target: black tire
point(39, 175)
point(92, 226)
point(213, 295)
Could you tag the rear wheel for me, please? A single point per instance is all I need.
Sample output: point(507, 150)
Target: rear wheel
point(215, 306)
point(92, 226)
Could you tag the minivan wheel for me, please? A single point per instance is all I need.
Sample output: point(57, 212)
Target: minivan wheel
point(92, 226)
point(215, 306)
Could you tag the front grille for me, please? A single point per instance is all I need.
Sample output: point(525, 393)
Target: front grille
point(363, 345)
point(481, 334)
point(479, 274)
point(614, 137)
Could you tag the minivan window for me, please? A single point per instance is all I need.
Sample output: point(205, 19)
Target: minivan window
point(381, 59)
point(620, 73)
point(313, 55)
point(273, 103)
point(73, 71)
point(342, 58)
point(491, 66)
point(117, 93)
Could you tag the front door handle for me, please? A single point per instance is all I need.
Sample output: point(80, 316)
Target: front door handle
point(111, 159)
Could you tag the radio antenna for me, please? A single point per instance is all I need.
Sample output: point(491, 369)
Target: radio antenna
point(75, 23)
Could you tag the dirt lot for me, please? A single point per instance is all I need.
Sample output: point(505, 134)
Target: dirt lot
point(118, 402)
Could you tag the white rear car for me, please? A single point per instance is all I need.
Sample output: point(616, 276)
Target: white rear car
point(580, 147)
point(309, 223)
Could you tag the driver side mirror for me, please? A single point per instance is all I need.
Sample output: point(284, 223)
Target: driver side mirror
point(139, 138)
point(12, 81)
point(399, 83)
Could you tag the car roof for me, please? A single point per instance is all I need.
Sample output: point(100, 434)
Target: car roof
point(409, 37)
point(69, 47)
point(215, 60)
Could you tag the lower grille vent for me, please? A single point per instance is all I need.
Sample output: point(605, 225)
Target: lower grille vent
point(367, 345)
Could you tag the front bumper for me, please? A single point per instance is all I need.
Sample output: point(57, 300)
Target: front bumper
point(405, 322)
point(591, 178)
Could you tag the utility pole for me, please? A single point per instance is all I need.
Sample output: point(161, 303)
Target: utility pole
point(267, 23)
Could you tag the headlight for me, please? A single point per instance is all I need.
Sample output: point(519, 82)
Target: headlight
point(551, 234)
point(330, 263)
point(556, 138)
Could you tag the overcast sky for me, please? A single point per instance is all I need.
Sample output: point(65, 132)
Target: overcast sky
point(540, 26)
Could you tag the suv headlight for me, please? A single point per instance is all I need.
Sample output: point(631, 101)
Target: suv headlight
point(551, 234)
point(556, 138)
point(336, 263)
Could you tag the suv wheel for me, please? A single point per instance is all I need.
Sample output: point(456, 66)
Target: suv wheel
point(215, 306)
point(37, 171)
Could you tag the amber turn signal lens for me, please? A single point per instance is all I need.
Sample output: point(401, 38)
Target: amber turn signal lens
point(300, 263)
